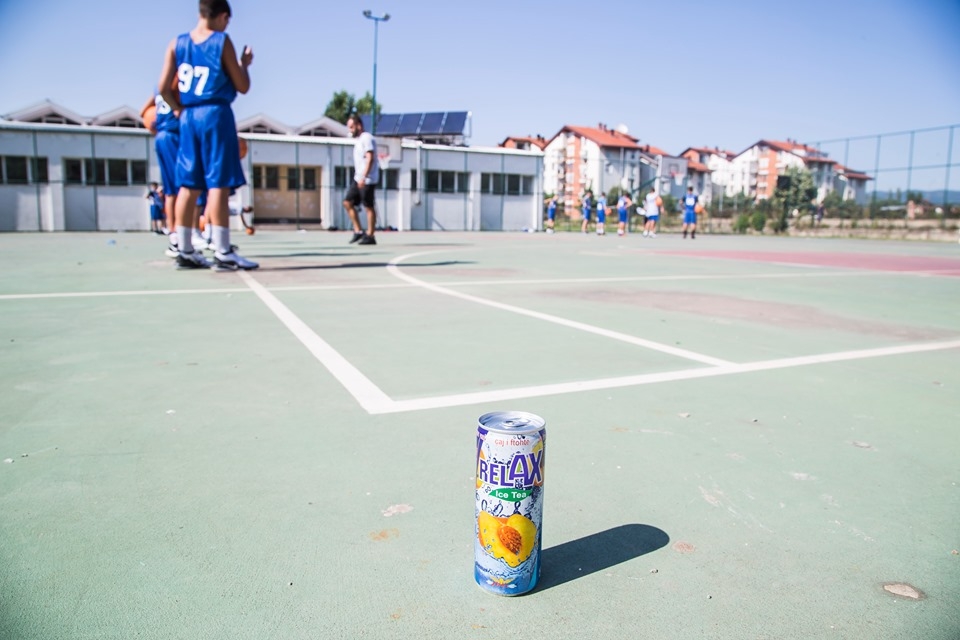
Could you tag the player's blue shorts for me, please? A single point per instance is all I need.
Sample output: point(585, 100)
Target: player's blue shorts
point(202, 199)
point(586, 214)
point(654, 218)
point(167, 145)
point(601, 214)
point(622, 215)
point(156, 212)
point(689, 217)
point(209, 155)
point(551, 214)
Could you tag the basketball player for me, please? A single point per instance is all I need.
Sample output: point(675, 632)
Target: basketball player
point(690, 213)
point(166, 129)
point(586, 211)
point(366, 173)
point(210, 76)
point(623, 210)
point(651, 208)
point(551, 213)
point(601, 213)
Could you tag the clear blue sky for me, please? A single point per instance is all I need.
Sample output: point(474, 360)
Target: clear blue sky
point(677, 74)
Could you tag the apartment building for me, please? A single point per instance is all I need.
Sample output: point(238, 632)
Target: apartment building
point(755, 170)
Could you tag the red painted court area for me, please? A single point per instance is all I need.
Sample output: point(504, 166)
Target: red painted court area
point(870, 261)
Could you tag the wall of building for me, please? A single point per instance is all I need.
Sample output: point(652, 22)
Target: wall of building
point(56, 205)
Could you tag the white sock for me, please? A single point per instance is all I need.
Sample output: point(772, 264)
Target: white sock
point(185, 240)
point(173, 238)
point(221, 238)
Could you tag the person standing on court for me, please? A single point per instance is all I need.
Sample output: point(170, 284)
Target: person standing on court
point(210, 76)
point(551, 213)
point(651, 207)
point(166, 131)
point(690, 213)
point(601, 213)
point(155, 196)
point(623, 212)
point(366, 168)
point(586, 211)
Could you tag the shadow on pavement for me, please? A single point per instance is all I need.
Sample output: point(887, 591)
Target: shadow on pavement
point(598, 551)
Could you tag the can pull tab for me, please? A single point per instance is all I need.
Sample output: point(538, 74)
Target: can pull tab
point(516, 422)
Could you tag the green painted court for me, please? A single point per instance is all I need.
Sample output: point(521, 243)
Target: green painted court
point(748, 437)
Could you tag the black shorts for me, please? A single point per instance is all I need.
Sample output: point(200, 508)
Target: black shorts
point(356, 195)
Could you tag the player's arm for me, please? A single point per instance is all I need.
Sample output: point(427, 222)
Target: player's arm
point(167, 76)
point(237, 71)
point(366, 172)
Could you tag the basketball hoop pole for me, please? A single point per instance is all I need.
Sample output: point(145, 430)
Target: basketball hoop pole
point(376, 30)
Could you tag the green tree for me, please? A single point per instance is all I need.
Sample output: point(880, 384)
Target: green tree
point(343, 103)
point(795, 190)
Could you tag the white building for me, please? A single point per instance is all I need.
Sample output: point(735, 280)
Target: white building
point(61, 172)
point(756, 169)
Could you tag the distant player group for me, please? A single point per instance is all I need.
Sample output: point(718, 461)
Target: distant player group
point(652, 205)
point(199, 152)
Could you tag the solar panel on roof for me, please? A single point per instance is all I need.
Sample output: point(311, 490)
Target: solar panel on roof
point(409, 124)
point(455, 122)
point(388, 123)
point(431, 123)
point(366, 122)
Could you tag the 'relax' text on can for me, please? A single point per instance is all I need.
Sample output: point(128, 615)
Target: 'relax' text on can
point(509, 510)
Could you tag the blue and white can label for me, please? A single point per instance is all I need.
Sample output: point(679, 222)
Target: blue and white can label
point(509, 501)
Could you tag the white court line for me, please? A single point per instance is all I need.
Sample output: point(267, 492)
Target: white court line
point(473, 283)
point(580, 326)
point(653, 378)
point(107, 294)
point(375, 401)
point(358, 385)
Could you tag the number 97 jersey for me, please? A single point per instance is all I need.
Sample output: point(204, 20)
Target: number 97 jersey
point(202, 78)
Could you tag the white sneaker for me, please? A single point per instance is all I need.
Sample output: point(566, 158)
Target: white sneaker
point(645, 233)
point(653, 235)
point(620, 233)
point(192, 260)
point(171, 251)
point(198, 241)
point(232, 261)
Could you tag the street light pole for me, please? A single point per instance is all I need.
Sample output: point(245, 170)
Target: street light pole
point(376, 29)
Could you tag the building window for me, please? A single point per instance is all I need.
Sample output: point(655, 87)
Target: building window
point(15, 169)
point(94, 171)
point(293, 179)
point(393, 179)
point(448, 182)
point(138, 172)
point(341, 176)
point(413, 180)
point(511, 184)
point(271, 177)
point(310, 179)
point(73, 171)
point(40, 173)
point(117, 173)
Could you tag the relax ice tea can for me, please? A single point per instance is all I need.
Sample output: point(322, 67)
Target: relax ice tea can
point(509, 510)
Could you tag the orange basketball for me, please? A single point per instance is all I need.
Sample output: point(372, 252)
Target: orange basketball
point(149, 117)
point(250, 231)
point(698, 208)
point(243, 147)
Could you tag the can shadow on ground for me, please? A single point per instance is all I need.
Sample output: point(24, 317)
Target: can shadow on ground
point(597, 552)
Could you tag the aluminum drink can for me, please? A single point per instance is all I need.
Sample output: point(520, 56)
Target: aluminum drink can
point(509, 496)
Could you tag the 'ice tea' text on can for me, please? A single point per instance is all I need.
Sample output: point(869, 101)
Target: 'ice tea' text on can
point(509, 510)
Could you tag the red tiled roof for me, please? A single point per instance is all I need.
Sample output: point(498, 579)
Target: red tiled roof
point(716, 151)
point(851, 173)
point(693, 165)
point(540, 143)
point(818, 160)
point(604, 137)
point(657, 151)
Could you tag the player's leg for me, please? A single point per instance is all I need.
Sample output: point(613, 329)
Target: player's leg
point(350, 202)
point(369, 203)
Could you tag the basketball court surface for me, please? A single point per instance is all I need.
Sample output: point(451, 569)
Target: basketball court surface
point(748, 437)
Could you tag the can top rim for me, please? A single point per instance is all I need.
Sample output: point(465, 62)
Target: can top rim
point(512, 421)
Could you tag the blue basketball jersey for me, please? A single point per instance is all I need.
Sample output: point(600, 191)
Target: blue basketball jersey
point(552, 209)
point(166, 120)
point(202, 77)
point(689, 202)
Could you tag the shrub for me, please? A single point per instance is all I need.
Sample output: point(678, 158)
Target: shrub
point(758, 220)
point(742, 223)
